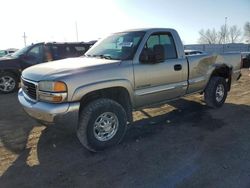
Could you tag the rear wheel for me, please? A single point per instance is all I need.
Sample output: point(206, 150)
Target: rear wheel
point(102, 124)
point(216, 92)
point(8, 82)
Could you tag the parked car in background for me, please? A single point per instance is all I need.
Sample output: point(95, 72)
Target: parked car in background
point(7, 52)
point(126, 71)
point(193, 52)
point(12, 66)
point(2, 53)
point(245, 59)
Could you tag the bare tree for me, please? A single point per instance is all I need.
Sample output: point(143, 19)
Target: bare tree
point(208, 36)
point(234, 34)
point(224, 35)
point(247, 31)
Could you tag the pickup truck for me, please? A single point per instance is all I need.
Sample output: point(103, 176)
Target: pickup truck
point(12, 65)
point(96, 94)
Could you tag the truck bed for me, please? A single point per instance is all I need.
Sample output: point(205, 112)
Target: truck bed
point(201, 66)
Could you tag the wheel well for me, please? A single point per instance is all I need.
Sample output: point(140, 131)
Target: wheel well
point(15, 73)
point(225, 72)
point(118, 94)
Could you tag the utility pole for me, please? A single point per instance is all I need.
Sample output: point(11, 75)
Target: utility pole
point(76, 32)
point(24, 38)
point(225, 32)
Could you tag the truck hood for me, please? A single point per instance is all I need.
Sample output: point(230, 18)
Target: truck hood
point(61, 68)
point(6, 58)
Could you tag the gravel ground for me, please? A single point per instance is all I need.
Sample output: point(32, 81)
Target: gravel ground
point(181, 144)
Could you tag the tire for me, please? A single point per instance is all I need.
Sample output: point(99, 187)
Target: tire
point(92, 124)
point(8, 82)
point(216, 92)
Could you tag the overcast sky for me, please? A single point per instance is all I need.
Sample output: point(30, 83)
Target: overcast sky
point(55, 20)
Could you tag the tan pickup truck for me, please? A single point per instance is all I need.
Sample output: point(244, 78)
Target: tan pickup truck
point(96, 94)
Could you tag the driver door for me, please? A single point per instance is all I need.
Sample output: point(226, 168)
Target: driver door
point(160, 81)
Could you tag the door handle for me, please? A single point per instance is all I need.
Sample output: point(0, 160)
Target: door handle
point(177, 67)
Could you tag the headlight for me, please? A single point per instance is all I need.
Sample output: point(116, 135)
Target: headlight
point(52, 86)
point(52, 91)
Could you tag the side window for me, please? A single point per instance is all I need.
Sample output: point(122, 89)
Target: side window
point(67, 50)
point(59, 52)
point(80, 50)
point(48, 56)
point(166, 41)
point(152, 41)
point(35, 55)
point(169, 46)
point(55, 52)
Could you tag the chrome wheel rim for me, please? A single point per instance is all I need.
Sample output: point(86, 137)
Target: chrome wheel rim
point(105, 126)
point(7, 83)
point(220, 92)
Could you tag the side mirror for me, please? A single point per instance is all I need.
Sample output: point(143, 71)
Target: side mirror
point(147, 56)
point(156, 55)
point(144, 57)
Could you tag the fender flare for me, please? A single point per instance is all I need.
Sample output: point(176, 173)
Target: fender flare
point(81, 91)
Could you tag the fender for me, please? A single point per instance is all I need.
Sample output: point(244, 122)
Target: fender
point(83, 90)
point(212, 72)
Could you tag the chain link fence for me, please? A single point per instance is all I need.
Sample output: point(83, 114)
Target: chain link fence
point(219, 48)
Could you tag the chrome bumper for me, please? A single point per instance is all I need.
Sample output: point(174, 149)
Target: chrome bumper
point(65, 114)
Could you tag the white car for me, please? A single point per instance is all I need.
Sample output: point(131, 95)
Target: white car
point(6, 52)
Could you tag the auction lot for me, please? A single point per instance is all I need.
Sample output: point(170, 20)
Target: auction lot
point(181, 144)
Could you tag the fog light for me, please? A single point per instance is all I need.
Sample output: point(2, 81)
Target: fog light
point(52, 97)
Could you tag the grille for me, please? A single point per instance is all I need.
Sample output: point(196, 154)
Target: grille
point(29, 88)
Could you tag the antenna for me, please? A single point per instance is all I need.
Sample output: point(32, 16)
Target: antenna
point(225, 30)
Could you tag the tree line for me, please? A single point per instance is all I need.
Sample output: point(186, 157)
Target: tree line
point(226, 34)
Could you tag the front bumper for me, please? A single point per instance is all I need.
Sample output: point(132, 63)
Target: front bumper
point(64, 114)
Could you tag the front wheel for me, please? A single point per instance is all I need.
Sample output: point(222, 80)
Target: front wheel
point(102, 123)
point(8, 82)
point(216, 92)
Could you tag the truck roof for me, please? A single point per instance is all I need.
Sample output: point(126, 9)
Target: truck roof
point(149, 29)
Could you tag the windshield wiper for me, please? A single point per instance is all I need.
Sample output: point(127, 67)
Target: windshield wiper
point(103, 56)
point(87, 55)
point(100, 56)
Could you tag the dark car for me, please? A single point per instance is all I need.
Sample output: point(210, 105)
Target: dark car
point(12, 66)
point(246, 59)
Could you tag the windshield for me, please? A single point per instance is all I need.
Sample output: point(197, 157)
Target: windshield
point(20, 52)
point(120, 46)
point(2, 53)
